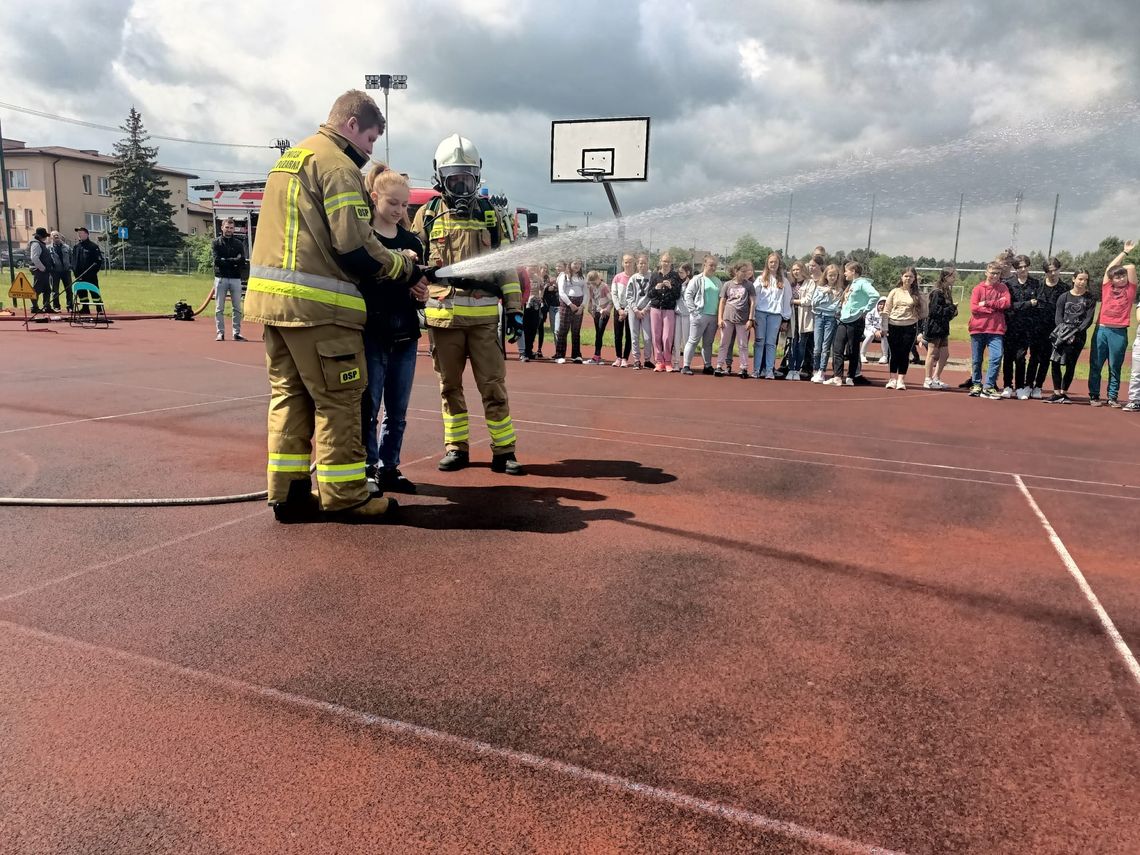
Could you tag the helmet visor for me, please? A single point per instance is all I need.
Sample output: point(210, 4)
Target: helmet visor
point(459, 181)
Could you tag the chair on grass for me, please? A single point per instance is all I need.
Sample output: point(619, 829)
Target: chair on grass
point(87, 296)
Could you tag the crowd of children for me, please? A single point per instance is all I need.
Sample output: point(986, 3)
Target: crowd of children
point(826, 315)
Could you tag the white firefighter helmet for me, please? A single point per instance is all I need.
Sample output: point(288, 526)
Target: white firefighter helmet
point(457, 168)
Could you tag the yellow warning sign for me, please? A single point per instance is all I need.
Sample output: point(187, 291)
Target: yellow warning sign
point(21, 288)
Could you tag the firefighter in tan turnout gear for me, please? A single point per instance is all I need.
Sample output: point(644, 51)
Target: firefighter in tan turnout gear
point(314, 251)
point(463, 313)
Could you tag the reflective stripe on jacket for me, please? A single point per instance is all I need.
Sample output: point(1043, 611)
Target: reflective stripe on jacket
point(453, 239)
point(315, 209)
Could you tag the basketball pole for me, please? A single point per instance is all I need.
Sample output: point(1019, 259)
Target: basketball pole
point(598, 177)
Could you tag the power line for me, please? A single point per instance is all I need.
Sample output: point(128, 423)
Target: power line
point(97, 126)
point(556, 210)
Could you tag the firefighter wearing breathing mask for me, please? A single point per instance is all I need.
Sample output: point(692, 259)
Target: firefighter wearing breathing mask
point(462, 314)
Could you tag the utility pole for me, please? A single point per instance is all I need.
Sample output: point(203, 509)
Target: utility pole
point(871, 227)
point(1053, 231)
point(958, 233)
point(587, 213)
point(1016, 219)
point(7, 216)
point(788, 234)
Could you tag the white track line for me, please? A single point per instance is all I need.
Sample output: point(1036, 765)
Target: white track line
point(863, 458)
point(758, 425)
point(670, 400)
point(438, 738)
point(259, 366)
point(1109, 627)
point(58, 580)
point(135, 413)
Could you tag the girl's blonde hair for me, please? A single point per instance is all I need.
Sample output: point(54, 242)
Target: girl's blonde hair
point(778, 279)
point(839, 284)
point(382, 177)
point(595, 276)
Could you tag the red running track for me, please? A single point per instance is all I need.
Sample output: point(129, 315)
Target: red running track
point(717, 616)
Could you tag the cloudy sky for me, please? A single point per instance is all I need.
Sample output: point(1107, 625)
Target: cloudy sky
point(914, 101)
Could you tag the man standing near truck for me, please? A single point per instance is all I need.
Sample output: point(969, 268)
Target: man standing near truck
point(229, 257)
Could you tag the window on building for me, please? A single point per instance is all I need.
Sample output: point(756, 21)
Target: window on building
point(14, 217)
point(87, 184)
point(96, 223)
point(17, 179)
point(104, 186)
point(28, 222)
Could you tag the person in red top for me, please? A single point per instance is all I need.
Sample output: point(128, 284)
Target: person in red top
point(988, 303)
point(1110, 339)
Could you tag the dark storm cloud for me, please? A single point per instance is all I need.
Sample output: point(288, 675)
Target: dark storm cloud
point(59, 53)
point(563, 64)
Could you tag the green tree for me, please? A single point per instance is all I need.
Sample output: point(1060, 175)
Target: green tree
point(884, 272)
point(201, 249)
point(747, 248)
point(141, 198)
point(679, 254)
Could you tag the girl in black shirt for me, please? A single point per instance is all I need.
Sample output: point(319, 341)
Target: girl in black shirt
point(1073, 318)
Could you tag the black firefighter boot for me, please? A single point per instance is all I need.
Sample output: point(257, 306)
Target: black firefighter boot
point(454, 460)
point(507, 463)
point(300, 505)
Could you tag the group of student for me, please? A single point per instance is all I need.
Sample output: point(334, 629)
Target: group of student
point(1029, 326)
point(828, 314)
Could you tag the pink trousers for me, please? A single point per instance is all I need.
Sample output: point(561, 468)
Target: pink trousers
point(662, 322)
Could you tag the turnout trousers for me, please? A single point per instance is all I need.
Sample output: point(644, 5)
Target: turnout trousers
point(316, 378)
point(451, 348)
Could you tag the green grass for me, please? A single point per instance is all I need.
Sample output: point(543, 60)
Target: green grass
point(134, 291)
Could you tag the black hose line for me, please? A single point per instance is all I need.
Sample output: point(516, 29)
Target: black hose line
point(26, 502)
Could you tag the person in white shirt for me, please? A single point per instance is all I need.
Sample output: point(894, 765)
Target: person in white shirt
point(571, 306)
point(773, 309)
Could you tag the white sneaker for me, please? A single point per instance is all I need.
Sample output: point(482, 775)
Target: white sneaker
point(1022, 394)
point(560, 362)
point(616, 363)
point(817, 377)
point(883, 360)
point(848, 382)
point(901, 385)
point(1035, 393)
point(1007, 392)
point(792, 375)
point(768, 375)
point(834, 381)
point(928, 384)
point(891, 384)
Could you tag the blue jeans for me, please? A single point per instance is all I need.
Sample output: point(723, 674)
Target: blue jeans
point(979, 344)
point(796, 362)
point(390, 372)
point(824, 335)
point(767, 329)
point(1108, 344)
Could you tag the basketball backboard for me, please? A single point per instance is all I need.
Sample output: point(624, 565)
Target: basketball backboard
point(614, 149)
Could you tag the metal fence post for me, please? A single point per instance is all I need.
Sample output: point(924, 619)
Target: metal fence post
point(148, 258)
